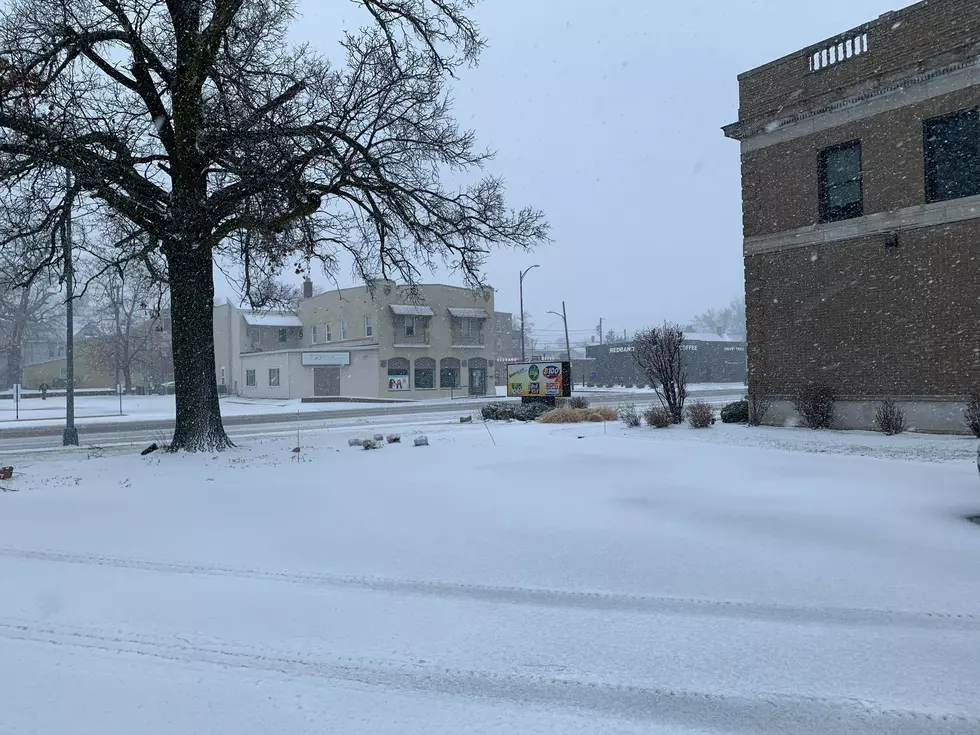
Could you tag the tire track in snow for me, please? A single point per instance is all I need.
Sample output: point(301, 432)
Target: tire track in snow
point(541, 597)
point(764, 713)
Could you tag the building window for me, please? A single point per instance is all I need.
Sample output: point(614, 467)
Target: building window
point(425, 373)
point(398, 374)
point(313, 335)
point(273, 377)
point(368, 327)
point(250, 378)
point(449, 372)
point(343, 329)
point(951, 145)
point(841, 190)
point(327, 333)
point(283, 335)
point(410, 326)
point(469, 329)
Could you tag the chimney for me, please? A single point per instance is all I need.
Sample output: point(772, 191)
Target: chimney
point(307, 288)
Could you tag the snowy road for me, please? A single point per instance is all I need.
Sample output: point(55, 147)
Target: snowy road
point(563, 580)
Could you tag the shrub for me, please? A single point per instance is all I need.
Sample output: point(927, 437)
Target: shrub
point(610, 385)
point(512, 411)
point(568, 415)
point(889, 418)
point(700, 415)
point(972, 414)
point(816, 405)
point(735, 413)
point(658, 417)
point(629, 415)
point(579, 402)
point(563, 415)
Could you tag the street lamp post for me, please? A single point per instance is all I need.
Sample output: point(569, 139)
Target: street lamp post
point(524, 273)
point(568, 344)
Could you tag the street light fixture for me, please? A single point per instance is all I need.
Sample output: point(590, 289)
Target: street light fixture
point(524, 273)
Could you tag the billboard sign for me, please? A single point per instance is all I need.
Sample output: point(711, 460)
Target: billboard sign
point(539, 379)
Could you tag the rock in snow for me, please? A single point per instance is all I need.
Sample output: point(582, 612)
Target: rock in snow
point(355, 442)
point(394, 438)
point(421, 441)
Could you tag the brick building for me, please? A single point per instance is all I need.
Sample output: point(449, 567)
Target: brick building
point(861, 214)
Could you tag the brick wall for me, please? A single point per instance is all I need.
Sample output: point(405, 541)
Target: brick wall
point(868, 320)
point(921, 37)
point(780, 182)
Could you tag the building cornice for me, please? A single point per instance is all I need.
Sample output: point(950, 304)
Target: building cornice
point(913, 89)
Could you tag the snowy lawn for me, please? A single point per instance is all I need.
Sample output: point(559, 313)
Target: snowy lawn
point(583, 579)
point(105, 409)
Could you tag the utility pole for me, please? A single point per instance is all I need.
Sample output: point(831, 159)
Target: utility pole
point(600, 330)
point(70, 438)
point(524, 273)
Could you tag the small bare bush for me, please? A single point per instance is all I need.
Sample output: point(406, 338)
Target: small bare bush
point(889, 418)
point(817, 406)
point(972, 414)
point(578, 402)
point(658, 417)
point(700, 415)
point(629, 415)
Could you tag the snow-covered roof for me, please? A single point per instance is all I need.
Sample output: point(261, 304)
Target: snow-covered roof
point(271, 319)
point(408, 310)
point(469, 313)
point(709, 337)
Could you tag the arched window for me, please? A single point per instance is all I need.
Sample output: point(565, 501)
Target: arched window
point(449, 372)
point(398, 374)
point(425, 373)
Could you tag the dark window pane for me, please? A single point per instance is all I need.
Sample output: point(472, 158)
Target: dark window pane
point(841, 189)
point(952, 156)
point(425, 378)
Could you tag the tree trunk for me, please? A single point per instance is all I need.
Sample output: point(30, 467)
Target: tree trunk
point(198, 420)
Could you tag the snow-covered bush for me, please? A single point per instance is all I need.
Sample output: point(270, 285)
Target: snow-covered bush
point(972, 414)
point(889, 418)
point(817, 406)
point(700, 415)
point(578, 402)
point(506, 411)
point(735, 413)
point(629, 415)
point(658, 417)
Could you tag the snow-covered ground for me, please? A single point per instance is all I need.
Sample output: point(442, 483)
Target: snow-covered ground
point(526, 579)
point(105, 409)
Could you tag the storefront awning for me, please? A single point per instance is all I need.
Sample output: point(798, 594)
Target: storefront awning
point(469, 313)
point(408, 310)
point(271, 319)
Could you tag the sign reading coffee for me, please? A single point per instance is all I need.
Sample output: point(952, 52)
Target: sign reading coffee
point(539, 380)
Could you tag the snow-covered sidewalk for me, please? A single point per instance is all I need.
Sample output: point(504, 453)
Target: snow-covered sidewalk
point(525, 579)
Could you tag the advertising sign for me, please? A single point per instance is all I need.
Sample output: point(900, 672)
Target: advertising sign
point(398, 382)
point(326, 358)
point(539, 380)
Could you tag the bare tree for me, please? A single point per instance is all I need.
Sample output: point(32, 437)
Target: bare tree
point(205, 136)
point(129, 303)
point(657, 352)
point(30, 309)
point(530, 338)
point(729, 320)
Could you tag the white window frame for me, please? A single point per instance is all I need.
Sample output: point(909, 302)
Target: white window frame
point(313, 335)
point(468, 328)
point(343, 330)
point(368, 327)
point(327, 333)
point(277, 383)
point(249, 378)
point(410, 326)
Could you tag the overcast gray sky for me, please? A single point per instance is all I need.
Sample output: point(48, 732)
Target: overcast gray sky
point(607, 115)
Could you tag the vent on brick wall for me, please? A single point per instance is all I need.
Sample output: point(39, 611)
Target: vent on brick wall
point(843, 50)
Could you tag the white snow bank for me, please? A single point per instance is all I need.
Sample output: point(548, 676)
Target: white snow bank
point(548, 579)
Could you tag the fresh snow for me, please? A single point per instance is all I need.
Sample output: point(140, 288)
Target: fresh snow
point(506, 579)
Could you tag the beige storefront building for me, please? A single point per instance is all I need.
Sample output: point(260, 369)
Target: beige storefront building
point(392, 343)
